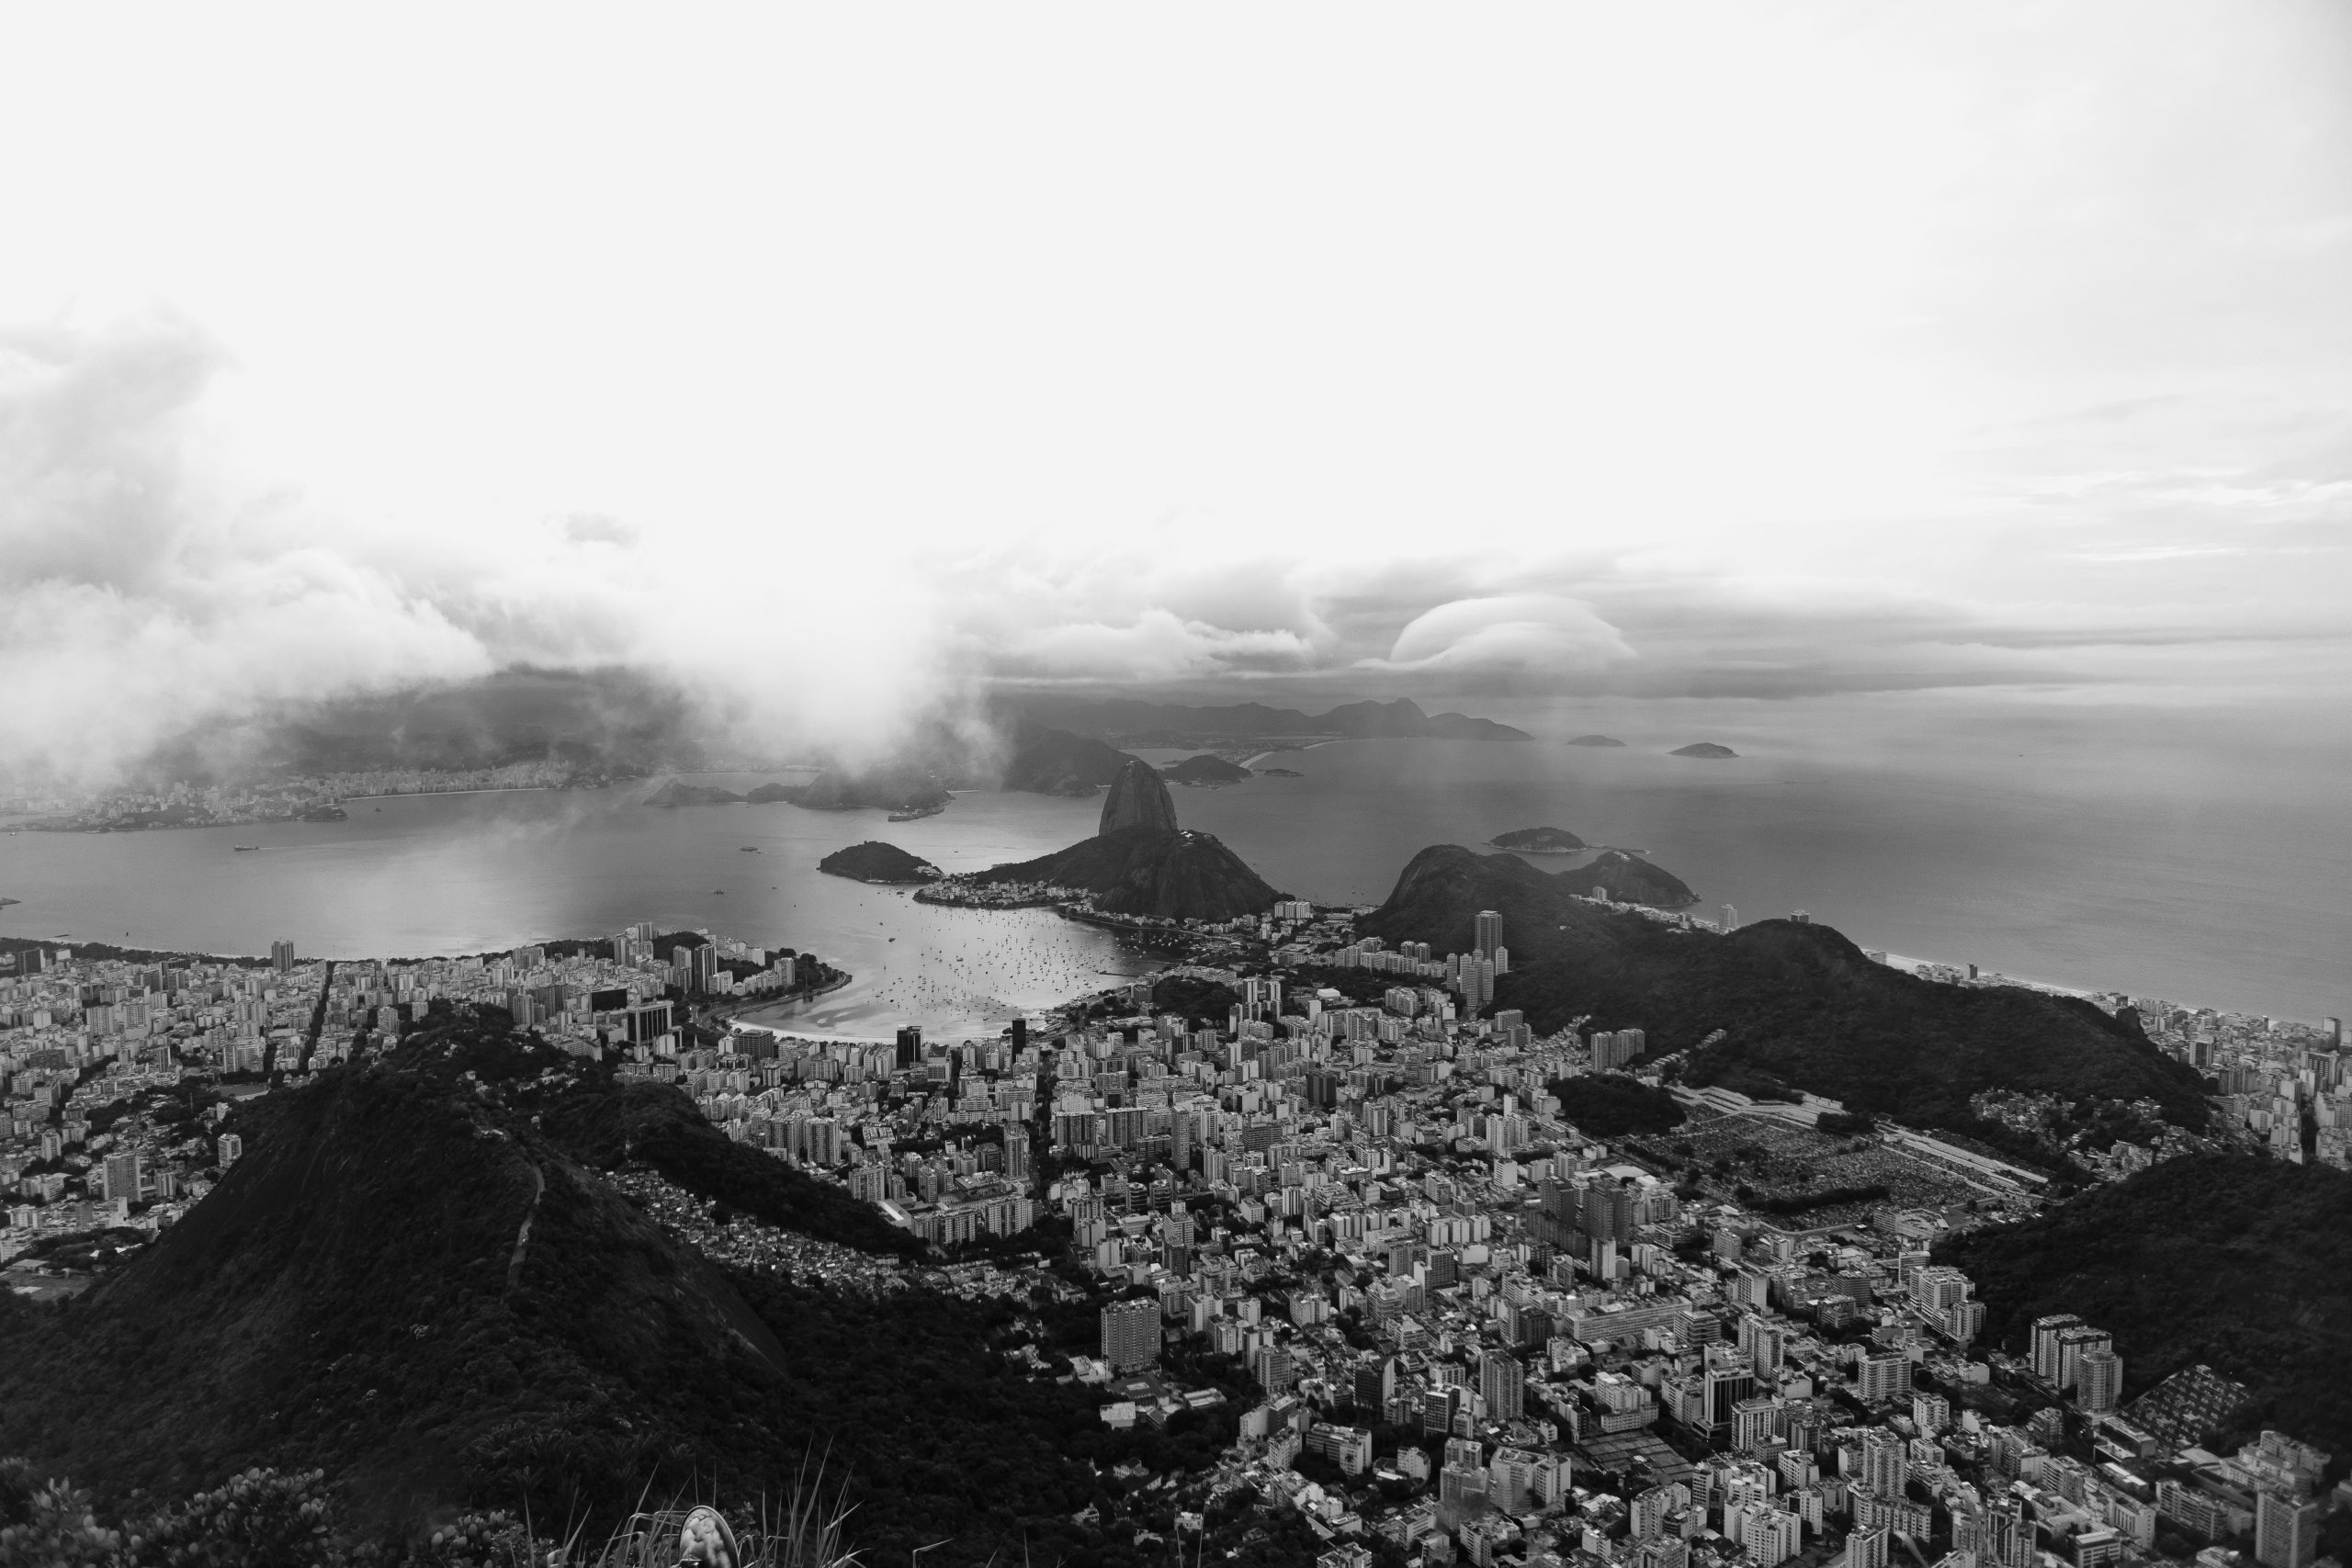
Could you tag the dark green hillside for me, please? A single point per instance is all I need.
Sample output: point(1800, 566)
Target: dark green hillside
point(1147, 870)
point(1539, 840)
point(1633, 880)
point(877, 861)
point(1609, 1105)
point(1799, 1004)
point(2238, 1262)
point(359, 1293)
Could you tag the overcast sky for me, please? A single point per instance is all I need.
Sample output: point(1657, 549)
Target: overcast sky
point(837, 357)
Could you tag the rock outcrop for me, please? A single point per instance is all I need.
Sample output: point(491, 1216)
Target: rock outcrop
point(1150, 871)
point(1137, 799)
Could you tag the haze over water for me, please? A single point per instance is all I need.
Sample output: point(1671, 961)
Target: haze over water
point(2086, 877)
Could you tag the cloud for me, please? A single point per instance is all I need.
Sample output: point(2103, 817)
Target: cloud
point(138, 597)
point(1519, 632)
point(150, 590)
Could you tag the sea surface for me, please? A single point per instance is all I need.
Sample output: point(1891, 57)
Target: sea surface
point(418, 875)
point(2210, 891)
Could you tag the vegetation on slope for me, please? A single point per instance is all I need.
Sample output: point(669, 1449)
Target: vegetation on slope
point(1628, 879)
point(1609, 1105)
point(2234, 1261)
point(1797, 1004)
point(875, 861)
point(361, 1295)
point(1538, 841)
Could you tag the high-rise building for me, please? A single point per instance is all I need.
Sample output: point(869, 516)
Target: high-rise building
point(120, 1178)
point(1771, 1535)
point(1883, 1375)
point(1730, 1378)
point(1502, 1383)
point(1886, 1467)
point(909, 1053)
point(281, 956)
point(230, 1147)
point(2286, 1529)
point(2045, 1343)
point(1731, 918)
point(2074, 1344)
point(1130, 1334)
point(1490, 934)
point(1375, 1382)
point(2098, 1382)
point(1866, 1548)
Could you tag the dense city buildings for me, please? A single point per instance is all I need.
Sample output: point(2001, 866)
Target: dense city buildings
point(1470, 1312)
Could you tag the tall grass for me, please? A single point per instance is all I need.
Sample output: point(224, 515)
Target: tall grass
point(268, 1519)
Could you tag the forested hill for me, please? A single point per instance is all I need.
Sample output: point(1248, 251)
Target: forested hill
point(2237, 1262)
point(1800, 1006)
point(360, 1293)
point(414, 1281)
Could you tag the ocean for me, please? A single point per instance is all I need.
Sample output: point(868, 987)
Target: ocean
point(2209, 891)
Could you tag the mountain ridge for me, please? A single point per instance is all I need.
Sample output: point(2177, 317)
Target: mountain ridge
point(1799, 1004)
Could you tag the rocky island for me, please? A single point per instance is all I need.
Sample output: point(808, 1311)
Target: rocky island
point(1209, 767)
point(879, 862)
point(1595, 740)
point(1704, 749)
point(1539, 841)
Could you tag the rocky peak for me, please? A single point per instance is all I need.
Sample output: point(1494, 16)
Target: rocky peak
point(1137, 799)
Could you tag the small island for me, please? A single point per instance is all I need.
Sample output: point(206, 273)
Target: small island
point(1280, 773)
point(1704, 748)
point(679, 793)
point(1595, 740)
point(1539, 841)
point(877, 861)
point(1209, 767)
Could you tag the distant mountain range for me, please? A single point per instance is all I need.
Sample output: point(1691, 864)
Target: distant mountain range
point(1801, 1007)
point(1401, 719)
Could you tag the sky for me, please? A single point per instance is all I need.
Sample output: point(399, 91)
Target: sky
point(843, 362)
